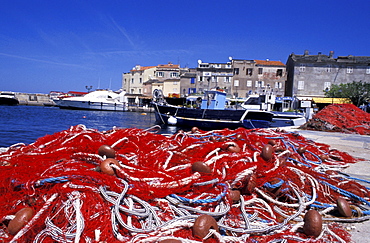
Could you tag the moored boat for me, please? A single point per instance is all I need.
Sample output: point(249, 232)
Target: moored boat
point(280, 119)
point(211, 113)
point(104, 100)
point(8, 98)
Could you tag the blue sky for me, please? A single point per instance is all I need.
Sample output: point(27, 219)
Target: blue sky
point(68, 44)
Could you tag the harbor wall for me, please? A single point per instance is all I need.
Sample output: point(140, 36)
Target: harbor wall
point(34, 99)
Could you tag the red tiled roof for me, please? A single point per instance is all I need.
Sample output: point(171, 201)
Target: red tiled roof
point(169, 65)
point(269, 63)
point(142, 68)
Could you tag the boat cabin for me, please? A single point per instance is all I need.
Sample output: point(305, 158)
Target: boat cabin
point(214, 100)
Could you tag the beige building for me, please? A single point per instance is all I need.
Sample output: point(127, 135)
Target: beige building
point(143, 80)
point(133, 81)
point(258, 77)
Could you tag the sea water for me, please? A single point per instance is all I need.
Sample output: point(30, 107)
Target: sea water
point(24, 124)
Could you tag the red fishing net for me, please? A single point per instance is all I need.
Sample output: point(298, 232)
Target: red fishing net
point(346, 118)
point(256, 185)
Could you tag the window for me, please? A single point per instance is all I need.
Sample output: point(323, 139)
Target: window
point(349, 69)
point(260, 71)
point(328, 68)
point(140, 80)
point(236, 82)
point(249, 83)
point(368, 70)
point(160, 74)
point(279, 72)
point(200, 78)
point(175, 83)
point(249, 71)
point(191, 90)
point(227, 79)
point(214, 79)
point(327, 85)
point(300, 85)
point(278, 85)
point(236, 71)
point(260, 84)
point(192, 80)
point(204, 65)
point(139, 91)
point(174, 75)
point(132, 80)
point(302, 68)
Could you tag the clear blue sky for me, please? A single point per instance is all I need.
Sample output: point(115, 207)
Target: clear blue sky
point(49, 45)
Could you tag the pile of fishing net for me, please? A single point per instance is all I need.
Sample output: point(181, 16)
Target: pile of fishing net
point(346, 118)
point(133, 185)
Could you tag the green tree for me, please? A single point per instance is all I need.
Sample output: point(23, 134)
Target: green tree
point(357, 92)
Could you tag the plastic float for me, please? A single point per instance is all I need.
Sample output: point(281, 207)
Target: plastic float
point(346, 118)
point(133, 185)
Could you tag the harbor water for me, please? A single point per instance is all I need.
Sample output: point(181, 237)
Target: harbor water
point(24, 124)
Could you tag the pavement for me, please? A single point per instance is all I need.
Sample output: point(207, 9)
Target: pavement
point(357, 146)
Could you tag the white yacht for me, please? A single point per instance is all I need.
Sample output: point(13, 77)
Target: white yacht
point(104, 100)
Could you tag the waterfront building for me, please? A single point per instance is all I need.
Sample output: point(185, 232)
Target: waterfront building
point(211, 75)
point(258, 77)
point(188, 82)
point(308, 76)
point(142, 80)
point(133, 81)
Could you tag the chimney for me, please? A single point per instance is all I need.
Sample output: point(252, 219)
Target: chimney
point(306, 52)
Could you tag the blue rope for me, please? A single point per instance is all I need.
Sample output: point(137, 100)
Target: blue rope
point(198, 201)
point(60, 179)
point(310, 161)
point(42, 182)
point(346, 193)
point(358, 179)
point(275, 137)
point(269, 185)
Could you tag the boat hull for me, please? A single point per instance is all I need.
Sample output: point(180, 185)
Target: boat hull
point(8, 101)
point(212, 119)
point(283, 119)
point(87, 105)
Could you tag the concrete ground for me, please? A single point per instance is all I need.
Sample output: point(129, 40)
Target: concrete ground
point(358, 146)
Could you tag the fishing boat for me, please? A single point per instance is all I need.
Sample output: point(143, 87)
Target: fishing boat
point(103, 100)
point(280, 119)
point(210, 113)
point(8, 98)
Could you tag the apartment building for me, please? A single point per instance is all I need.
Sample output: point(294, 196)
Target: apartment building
point(214, 75)
point(133, 82)
point(143, 80)
point(309, 75)
point(258, 77)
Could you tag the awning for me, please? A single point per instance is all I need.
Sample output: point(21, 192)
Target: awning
point(332, 100)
